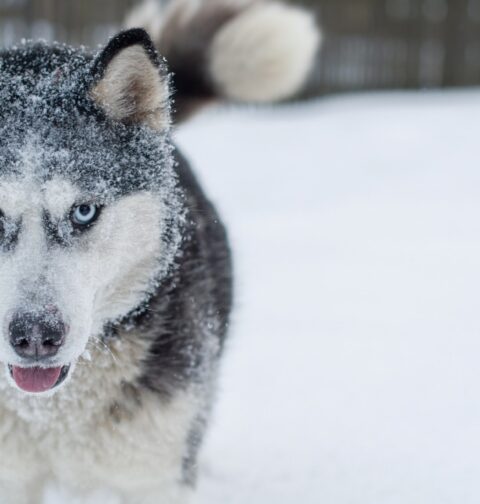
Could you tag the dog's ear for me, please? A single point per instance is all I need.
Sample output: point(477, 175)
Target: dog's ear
point(130, 85)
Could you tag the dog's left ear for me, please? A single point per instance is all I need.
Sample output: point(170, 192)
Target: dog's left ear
point(130, 84)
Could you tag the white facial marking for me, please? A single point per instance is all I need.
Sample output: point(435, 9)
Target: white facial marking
point(16, 198)
point(59, 196)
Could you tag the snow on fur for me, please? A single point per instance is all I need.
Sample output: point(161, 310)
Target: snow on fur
point(50, 122)
point(143, 292)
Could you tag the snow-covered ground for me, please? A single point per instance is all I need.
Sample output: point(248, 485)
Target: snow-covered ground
point(353, 370)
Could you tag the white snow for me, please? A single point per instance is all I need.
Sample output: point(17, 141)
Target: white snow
point(352, 373)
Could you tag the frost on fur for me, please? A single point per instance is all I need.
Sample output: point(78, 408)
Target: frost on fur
point(240, 50)
point(58, 152)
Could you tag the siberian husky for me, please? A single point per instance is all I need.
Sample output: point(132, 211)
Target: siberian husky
point(115, 271)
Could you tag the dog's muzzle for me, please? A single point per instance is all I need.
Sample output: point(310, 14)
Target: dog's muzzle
point(36, 337)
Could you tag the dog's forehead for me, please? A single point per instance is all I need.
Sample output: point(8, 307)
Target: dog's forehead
point(50, 125)
point(55, 195)
point(58, 195)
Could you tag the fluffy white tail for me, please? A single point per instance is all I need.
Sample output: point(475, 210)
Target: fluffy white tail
point(240, 50)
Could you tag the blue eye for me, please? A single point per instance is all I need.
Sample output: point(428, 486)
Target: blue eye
point(85, 214)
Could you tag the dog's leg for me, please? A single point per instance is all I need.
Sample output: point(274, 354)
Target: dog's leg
point(175, 495)
point(20, 494)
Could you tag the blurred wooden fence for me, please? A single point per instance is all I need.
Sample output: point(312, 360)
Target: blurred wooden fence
point(88, 22)
point(369, 44)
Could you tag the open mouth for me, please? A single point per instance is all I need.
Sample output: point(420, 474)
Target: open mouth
point(38, 379)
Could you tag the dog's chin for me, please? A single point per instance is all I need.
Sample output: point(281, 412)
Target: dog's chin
point(36, 380)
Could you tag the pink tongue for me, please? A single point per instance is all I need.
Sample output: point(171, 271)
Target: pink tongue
point(36, 379)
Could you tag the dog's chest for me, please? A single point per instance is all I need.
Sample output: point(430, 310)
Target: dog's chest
point(86, 434)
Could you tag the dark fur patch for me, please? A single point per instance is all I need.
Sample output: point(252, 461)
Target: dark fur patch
point(127, 38)
point(189, 465)
point(187, 318)
point(9, 233)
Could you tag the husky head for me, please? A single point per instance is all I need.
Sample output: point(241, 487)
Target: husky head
point(90, 215)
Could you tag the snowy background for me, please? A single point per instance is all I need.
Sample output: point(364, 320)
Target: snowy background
point(353, 369)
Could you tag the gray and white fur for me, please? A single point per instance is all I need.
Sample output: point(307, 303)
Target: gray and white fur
point(115, 270)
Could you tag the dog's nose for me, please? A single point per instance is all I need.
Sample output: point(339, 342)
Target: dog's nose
point(37, 336)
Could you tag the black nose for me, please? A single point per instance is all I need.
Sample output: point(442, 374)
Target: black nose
point(37, 335)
